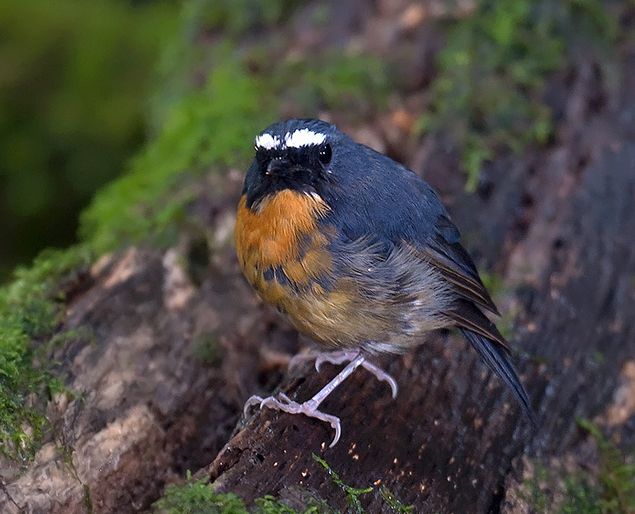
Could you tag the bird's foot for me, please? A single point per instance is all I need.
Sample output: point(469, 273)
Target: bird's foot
point(340, 357)
point(309, 408)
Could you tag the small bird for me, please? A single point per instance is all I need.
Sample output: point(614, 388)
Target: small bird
point(360, 254)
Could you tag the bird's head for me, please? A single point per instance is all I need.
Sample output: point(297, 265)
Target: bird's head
point(299, 154)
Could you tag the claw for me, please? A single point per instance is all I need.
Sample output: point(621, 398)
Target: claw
point(300, 358)
point(307, 408)
point(285, 397)
point(253, 400)
point(382, 376)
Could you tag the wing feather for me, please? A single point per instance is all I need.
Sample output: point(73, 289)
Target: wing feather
point(466, 282)
point(467, 315)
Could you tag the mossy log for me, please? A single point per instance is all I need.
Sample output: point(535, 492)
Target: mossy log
point(167, 355)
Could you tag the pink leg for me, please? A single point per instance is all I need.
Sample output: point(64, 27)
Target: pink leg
point(310, 407)
point(347, 356)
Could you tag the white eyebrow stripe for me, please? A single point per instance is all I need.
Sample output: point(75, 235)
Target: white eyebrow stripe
point(267, 141)
point(303, 137)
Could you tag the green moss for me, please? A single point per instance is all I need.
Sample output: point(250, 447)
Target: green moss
point(609, 489)
point(352, 493)
point(394, 503)
point(30, 310)
point(494, 283)
point(616, 475)
point(238, 17)
point(271, 505)
point(199, 497)
point(533, 490)
point(488, 92)
point(210, 127)
point(356, 83)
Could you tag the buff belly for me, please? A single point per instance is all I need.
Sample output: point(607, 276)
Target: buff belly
point(341, 298)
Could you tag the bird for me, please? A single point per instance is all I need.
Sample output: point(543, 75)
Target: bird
point(360, 254)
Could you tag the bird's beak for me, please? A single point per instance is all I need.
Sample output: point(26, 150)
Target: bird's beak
point(277, 165)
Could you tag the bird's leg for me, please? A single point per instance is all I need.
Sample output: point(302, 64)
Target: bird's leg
point(340, 357)
point(310, 407)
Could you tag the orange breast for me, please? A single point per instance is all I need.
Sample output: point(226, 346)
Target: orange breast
point(281, 233)
point(282, 236)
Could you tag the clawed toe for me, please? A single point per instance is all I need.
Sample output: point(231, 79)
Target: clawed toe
point(382, 376)
point(284, 403)
point(253, 400)
point(334, 421)
point(301, 358)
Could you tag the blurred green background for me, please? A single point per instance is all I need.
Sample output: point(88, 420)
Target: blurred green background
point(75, 81)
point(85, 84)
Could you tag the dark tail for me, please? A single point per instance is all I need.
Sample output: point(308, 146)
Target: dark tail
point(498, 360)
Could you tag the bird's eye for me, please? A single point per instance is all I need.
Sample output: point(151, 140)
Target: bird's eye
point(324, 154)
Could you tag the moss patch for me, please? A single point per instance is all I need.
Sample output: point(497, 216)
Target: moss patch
point(357, 84)
point(210, 127)
point(270, 505)
point(394, 503)
point(607, 489)
point(353, 494)
point(488, 94)
point(199, 497)
point(30, 311)
point(616, 476)
point(237, 17)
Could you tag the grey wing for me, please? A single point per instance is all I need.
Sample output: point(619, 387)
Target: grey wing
point(456, 265)
point(442, 248)
point(443, 251)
